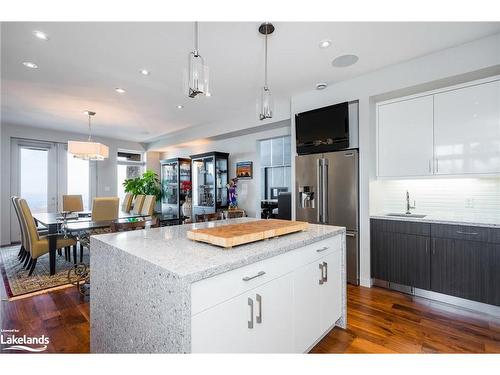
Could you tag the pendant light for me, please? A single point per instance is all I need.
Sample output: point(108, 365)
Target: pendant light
point(198, 71)
point(266, 99)
point(88, 150)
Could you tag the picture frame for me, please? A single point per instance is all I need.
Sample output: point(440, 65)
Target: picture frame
point(244, 170)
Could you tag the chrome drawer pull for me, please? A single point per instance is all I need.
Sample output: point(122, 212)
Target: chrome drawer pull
point(469, 233)
point(321, 279)
point(325, 267)
point(248, 278)
point(322, 249)
point(258, 297)
point(250, 322)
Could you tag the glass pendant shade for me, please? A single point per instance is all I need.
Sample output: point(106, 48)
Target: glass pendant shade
point(88, 150)
point(197, 76)
point(266, 104)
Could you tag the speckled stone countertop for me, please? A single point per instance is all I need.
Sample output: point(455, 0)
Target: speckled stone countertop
point(170, 249)
point(453, 218)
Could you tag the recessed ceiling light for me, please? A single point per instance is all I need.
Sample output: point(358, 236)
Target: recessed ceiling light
point(180, 106)
point(30, 65)
point(40, 35)
point(144, 72)
point(325, 43)
point(120, 90)
point(321, 86)
point(344, 60)
point(208, 94)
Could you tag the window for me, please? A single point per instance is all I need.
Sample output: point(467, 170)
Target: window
point(130, 164)
point(34, 179)
point(275, 160)
point(78, 179)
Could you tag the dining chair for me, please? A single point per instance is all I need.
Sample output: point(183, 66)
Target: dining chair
point(208, 217)
point(73, 203)
point(134, 225)
point(38, 245)
point(149, 205)
point(139, 201)
point(234, 214)
point(22, 250)
point(105, 208)
point(127, 202)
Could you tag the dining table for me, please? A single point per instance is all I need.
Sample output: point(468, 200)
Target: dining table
point(73, 223)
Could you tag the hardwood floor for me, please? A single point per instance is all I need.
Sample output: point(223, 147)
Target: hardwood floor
point(385, 321)
point(379, 321)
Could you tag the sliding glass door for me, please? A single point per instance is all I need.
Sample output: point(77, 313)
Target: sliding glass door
point(42, 172)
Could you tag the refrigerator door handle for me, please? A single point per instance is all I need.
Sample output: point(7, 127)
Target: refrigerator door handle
point(324, 191)
point(319, 184)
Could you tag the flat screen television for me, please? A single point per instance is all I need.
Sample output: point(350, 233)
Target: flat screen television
point(322, 130)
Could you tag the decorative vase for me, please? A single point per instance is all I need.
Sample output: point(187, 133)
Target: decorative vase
point(187, 206)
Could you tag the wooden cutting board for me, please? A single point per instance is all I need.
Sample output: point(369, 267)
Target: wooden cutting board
point(238, 234)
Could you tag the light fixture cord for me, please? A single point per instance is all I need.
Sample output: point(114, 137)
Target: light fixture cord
point(90, 131)
point(265, 67)
point(196, 38)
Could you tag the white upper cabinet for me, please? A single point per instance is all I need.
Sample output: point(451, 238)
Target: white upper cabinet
point(405, 141)
point(447, 132)
point(467, 130)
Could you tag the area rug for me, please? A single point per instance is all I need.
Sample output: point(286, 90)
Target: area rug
point(16, 279)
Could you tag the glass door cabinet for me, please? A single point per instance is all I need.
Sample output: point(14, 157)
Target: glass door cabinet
point(209, 182)
point(173, 173)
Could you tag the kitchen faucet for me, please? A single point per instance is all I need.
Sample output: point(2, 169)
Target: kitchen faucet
point(408, 206)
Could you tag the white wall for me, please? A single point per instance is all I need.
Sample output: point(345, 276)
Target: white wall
point(470, 61)
point(240, 148)
point(106, 169)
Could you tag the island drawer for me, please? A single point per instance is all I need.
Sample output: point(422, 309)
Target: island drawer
point(217, 289)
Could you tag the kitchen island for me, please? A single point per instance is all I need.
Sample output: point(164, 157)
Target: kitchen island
point(156, 291)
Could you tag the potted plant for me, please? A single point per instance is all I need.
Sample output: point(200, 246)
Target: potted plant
point(147, 184)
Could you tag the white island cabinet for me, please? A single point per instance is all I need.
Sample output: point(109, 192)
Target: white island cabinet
point(277, 296)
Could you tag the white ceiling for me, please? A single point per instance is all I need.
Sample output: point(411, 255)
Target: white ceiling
point(82, 64)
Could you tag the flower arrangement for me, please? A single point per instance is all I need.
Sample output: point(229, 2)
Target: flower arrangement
point(232, 197)
point(187, 187)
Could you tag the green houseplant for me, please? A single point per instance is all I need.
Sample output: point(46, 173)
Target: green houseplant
point(147, 184)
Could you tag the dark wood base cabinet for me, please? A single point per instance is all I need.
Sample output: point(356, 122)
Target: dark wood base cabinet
point(461, 261)
point(466, 269)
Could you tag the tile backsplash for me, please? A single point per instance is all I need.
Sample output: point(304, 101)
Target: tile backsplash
point(459, 195)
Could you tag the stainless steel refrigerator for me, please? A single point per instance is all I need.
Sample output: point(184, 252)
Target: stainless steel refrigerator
point(327, 192)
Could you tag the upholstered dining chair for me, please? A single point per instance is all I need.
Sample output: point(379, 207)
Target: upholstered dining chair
point(105, 208)
point(139, 201)
point(208, 217)
point(38, 245)
point(149, 205)
point(127, 202)
point(73, 203)
point(22, 250)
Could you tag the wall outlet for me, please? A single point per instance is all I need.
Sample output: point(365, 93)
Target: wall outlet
point(469, 202)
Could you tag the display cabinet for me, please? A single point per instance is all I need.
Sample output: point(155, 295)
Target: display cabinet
point(210, 180)
point(173, 173)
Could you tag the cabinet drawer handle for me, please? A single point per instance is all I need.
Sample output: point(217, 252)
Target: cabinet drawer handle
point(248, 278)
point(322, 249)
point(250, 322)
point(469, 233)
point(321, 279)
point(325, 267)
point(258, 318)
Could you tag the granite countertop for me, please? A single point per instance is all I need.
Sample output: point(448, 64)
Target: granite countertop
point(455, 218)
point(170, 249)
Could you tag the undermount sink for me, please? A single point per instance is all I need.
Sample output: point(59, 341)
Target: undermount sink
point(416, 216)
